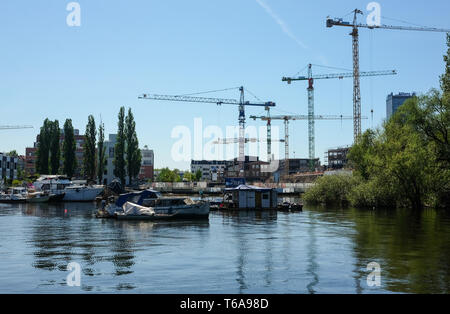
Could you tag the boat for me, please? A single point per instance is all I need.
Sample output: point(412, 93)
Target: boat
point(62, 189)
point(38, 197)
point(247, 197)
point(79, 193)
point(56, 197)
point(150, 201)
point(293, 207)
point(14, 195)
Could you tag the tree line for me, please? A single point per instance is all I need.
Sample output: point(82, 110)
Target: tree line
point(56, 152)
point(405, 163)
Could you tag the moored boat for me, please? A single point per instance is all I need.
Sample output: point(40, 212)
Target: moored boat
point(62, 189)
point(149, 208)
point(14, 195)
point(38, 197)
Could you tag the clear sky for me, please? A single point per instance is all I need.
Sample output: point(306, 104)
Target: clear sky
point(125, 48)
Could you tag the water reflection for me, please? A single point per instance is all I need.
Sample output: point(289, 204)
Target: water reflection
point(319, 250)
point(312, 267)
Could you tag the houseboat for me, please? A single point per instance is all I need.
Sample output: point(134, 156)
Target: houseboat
point(246, 197)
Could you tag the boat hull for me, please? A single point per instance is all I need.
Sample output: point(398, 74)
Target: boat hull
point(81, 195)
point(43, 199)
point(195, 211)
point(57, 197)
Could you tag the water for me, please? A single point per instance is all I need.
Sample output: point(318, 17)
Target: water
point(317, 251)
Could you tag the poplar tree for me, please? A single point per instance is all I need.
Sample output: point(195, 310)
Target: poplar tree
point(101, 150)
point(43, 150)
point(133, 153)
point(69, 149)
point(55, 148)
point(89, 157)
point(119, 149)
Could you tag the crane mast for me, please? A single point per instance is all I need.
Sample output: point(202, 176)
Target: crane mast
point(286, 119)
point(310, 78)
point(241, 103)
point(15, 127)
point(355, 44)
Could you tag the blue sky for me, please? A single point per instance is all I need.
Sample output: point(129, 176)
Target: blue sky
point(126, 48)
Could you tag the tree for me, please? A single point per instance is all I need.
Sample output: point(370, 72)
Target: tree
point(43, 151)
point(101, 150)
point(133, 153)
point(188, 176)
point(445, 78)
point(69, 149)
point(198, 175)
point(13, 153)
point(54, 147)
point(119, 149)
point(89, 158)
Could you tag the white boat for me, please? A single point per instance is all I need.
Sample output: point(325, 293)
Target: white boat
point(38, 197)
point(58, 185)
point(79, 193)
point(164, 208)
point(14, 195)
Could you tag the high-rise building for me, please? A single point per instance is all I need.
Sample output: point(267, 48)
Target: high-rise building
point(147, 164)
point(393, 102)
point(108, 175)
point(8, 167)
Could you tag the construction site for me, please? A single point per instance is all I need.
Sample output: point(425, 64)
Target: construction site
point(290, 170)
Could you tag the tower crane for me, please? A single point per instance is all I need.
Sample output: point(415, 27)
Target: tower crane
point(355, 42)
point(310, 78)
point(219, 101)
point(15, 127)
point(286, 119)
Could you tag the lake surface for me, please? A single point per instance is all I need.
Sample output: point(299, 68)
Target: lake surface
point(316, 251)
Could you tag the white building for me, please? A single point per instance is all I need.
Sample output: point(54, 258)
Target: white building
point(8, 167)
point(147, 164)
point(212, 170)
point(147, 161)
point(108, 175)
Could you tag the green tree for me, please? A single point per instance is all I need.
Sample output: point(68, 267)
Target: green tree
point(198, 175)
point(167, 175)
point(43, 150)
point(133, 153)
point(69, 149)
point(188, 176)
point(101, 150)
point(119, 149)
point(54, 147)
point(89, 158)
point(445, 78)
point(13, 153)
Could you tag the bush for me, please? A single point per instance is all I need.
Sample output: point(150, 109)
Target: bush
point(372, 194)
point(331, 190)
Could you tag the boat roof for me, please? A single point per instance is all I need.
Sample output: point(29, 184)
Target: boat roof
point(52, 177)
point(123, 198)
point(244, 187)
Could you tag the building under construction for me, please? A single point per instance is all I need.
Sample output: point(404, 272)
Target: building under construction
point(337, 157)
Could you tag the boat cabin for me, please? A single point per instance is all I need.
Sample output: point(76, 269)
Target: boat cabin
point(250, 197)
point(141, 198)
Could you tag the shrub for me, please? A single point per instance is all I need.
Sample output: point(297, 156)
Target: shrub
point(331, 190)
